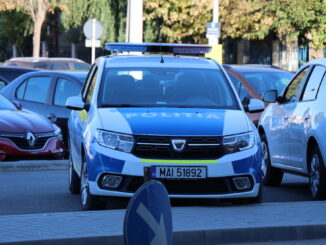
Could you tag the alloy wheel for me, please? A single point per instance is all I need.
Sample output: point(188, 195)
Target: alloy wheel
point(314, 179)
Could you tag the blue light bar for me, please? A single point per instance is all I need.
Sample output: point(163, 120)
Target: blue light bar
point(159, 48)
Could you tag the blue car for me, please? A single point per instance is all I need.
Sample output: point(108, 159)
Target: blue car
point(178, 115)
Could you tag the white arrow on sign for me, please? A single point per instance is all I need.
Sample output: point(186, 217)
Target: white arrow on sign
point(158, 228)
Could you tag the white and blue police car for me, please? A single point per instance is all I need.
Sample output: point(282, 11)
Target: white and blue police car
point(178, 115)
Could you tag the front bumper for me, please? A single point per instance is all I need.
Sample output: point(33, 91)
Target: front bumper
point(218, 184)
point(10, 152)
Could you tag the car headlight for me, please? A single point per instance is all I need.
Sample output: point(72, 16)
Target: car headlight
point(238, 142)
point(120, 142)
point(57, 132)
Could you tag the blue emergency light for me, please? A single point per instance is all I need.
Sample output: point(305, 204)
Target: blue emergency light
point(159, 48)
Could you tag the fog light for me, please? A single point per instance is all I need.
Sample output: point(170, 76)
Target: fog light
point(242, 183)
point(111, 181)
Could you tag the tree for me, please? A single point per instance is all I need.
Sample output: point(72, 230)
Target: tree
point(111, 13)
point(177, 20)
point(288, 19)
point(37, 10)
point(14, 28)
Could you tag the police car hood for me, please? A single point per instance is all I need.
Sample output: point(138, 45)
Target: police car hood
point(174, 121)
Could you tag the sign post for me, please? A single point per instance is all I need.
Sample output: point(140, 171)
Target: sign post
point(148, 218)
point(93, 30)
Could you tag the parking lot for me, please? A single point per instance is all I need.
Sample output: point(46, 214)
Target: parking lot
point(45, 191)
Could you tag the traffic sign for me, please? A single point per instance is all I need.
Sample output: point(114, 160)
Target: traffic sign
point(88, 43)
point(213, 29)
point(89, 26)
point(148, 219)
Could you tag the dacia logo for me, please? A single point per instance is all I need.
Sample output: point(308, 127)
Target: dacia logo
point(178, 145)
point(30, 137)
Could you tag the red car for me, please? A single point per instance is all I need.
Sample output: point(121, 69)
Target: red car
point(26, 135)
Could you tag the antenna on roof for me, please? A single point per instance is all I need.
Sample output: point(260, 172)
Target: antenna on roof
point(162, 60)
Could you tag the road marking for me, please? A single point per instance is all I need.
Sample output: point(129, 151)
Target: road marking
point(158, 228)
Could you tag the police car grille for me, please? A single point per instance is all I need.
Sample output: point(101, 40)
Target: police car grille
point(160, 147)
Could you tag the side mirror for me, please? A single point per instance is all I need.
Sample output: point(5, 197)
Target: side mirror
point(17, 104)
point(256, 105)
point(270, 96)
point(75, 103)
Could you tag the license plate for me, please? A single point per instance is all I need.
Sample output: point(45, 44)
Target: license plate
point(169, 172)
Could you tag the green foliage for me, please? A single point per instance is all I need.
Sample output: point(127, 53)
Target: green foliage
point(14, 28)
point(111, 13)
point(289, 19)
point(176, 20)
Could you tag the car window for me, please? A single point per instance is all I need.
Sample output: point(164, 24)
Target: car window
point(264, 81)
point(241, 90)
point(35, 89)
point(59, 66)
point(81, 66)
point(42, 65)
point(88, 89)
point(2, 84)
point(166, 87)
point(65, 89)
point(292, 92)
point(313, 83)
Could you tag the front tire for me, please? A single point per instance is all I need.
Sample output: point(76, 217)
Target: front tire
point(88, 201)
point(74, 181)
point(317, 175)
point(272, 176)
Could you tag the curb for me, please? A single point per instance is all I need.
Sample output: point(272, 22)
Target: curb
point(39, 165)
point(205, 237)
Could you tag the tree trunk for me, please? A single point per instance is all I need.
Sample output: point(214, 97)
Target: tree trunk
point(37, 40)
point(38, 16)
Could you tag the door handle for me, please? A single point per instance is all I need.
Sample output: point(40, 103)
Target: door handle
point(286, 118)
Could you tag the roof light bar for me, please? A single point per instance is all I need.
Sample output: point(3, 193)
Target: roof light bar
point(159, 48)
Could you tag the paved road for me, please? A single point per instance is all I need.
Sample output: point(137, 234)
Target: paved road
point(46, 192)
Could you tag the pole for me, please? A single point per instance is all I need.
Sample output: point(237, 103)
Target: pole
point(214, 40)
point(93, 39)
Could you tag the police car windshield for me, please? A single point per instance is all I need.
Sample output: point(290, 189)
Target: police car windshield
point(165, 87)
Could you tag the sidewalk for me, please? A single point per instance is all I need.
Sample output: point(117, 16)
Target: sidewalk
point(191, 225)
point(33, 165)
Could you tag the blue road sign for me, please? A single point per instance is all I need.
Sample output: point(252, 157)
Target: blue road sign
point(148, 219)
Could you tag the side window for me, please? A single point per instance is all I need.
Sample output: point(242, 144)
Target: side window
point(292, 92)
point(21, 91)
point(36, 89)
point(88, 90)
point(242, 92)
point(59, 66)
point(65, 89)
point(313, 83)
point(41, 65)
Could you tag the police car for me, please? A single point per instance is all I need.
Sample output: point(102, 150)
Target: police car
point(178, 115)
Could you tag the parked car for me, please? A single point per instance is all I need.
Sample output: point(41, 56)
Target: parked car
point(46, 92)
point(252, 80)
point(180, 116)
point(7, 74)
point(27, 135)
point(49, 63)
point(293, 129)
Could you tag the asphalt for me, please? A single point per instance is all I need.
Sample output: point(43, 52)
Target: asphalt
point(247, 224)
point(191, 225)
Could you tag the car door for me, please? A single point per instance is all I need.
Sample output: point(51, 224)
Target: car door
point(33, 93)
point(300, 118)
point(64, 88)
point(278, 139)
point(78, 119)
